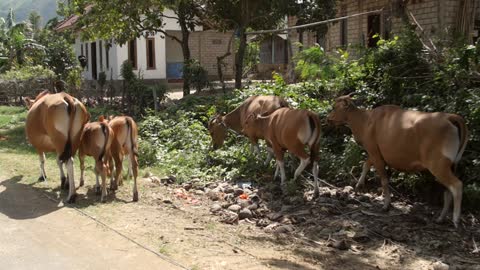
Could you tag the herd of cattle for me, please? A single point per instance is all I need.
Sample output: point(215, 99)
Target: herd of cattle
point(405, 140)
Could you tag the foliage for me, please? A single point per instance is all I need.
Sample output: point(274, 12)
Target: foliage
point(252, 56)
point(196, 74)
point(137, 95)
point(27, 73)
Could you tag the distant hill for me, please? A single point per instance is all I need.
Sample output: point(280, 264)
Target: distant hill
point(46, 8)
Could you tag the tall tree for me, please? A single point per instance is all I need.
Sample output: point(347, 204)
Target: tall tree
point(10, 19)
point(124, 20)
point(35, 21)
point(241, 15)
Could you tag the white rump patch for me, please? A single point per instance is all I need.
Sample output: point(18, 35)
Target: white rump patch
point(451, 147)
point(305, 133)
point(61, 123)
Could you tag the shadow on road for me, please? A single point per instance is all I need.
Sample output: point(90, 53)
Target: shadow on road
point(20, 201)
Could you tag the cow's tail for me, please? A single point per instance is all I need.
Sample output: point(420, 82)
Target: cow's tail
point(106, 133)
point(314, 141)
point(68, 150)
point(461, 126)
point(132, 135)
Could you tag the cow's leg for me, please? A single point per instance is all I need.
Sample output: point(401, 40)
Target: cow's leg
point(316, 192)
point(81, 157)
point(447, 201)
point(100, 169)
point(277, 171)
point(361, 181)
point(442, 170)
point(379, 165)
point(63, 178)
point(134, 164)
point(129, 166)
point(279, 154)
point(298, 150)
point(43, 175)
point(71, 192)
point(113, 184)
point(118, 170)
point(269, 156)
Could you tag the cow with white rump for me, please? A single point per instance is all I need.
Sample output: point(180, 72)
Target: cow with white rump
point(54, 124)
point(291, 130)
point(96, 142)
point(219, 125)
point(408, 141)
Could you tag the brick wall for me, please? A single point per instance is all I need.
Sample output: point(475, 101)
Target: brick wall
point(434, 16)
point(205, 46)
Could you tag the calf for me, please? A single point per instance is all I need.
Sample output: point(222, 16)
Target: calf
point(124, 144)
point(292, 130)
point(409, 141)
point(54, 124)
point(219, 125)
point(96, 142)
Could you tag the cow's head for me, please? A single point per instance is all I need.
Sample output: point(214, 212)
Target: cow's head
point(342, 106)
point(218, 131)
point(249, 124)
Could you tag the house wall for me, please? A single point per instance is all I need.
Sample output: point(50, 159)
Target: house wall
point(435, 17)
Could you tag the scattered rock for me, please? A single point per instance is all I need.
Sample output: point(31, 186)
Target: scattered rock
point(215, 208)
point(199, 192)
point(361, 237)
point(212, 185)
point(274, 216)
point(348, 189)
point(254, 198)
point(253, 206)
point(243, 203)
point(214, 194)
point(147, 174)
point(340, 245)
point(440, 266)
point(237, 192)
point(228, 189)
point(187, 186)
point(226, 205)
point(168, 180)
point(283, 229)
point(234, 208)
point(155, 180)
point(229, 217)
point(263, 222)
point(229, 197)
point(245, 213)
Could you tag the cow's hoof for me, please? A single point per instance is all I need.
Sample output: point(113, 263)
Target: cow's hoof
point(103, 199)
point(135, 196)
point(439, 220)
point(385, 208)
point(42, 178)
point(81, 183)
point(72, 198)
point(98, 191)
point(113, 186)
point(316, 194)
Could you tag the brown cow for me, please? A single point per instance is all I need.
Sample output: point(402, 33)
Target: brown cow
point(409, 141)
point(124, 144)
point(263, 105)
point(96, 142)
point(54, 124)
point(292, 130)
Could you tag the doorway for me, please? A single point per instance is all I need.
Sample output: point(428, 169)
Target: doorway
point(94, 60)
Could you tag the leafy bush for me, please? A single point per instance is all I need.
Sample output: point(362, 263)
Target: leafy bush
point(27, 73)
point(197, 74)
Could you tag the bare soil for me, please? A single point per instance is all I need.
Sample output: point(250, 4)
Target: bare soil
point(340, 229)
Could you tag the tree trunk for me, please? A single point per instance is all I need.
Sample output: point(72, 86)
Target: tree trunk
point(186, 54)
point(239, 58)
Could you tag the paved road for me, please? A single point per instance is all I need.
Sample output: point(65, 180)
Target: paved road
point(37, 234)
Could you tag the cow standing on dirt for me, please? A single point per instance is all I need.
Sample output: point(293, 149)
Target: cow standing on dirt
point(220, 124)
point(96, 141)
point(292, 130)
point(124, 144)
point(409, 141)
point(54, 124)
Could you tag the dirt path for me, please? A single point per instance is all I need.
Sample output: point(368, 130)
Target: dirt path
point(35, 233)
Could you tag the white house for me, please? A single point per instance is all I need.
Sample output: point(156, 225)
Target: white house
point(157, 58)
